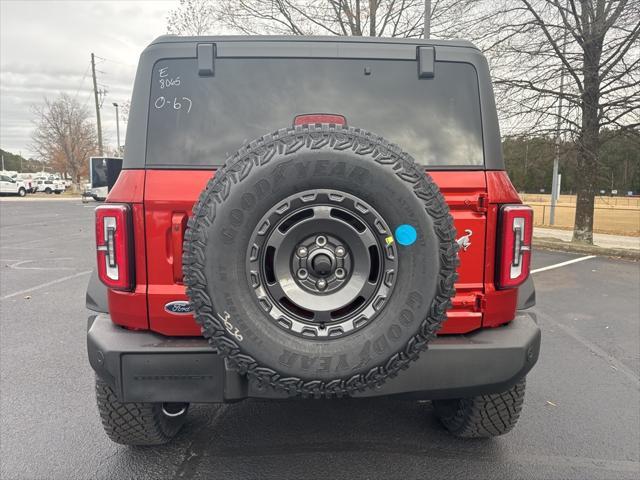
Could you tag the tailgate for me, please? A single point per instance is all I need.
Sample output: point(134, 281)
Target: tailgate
point(171, 194)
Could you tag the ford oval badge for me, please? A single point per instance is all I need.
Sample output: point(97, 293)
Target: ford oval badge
point(179, 307)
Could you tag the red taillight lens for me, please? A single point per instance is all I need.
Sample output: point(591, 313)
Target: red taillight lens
point(114, 246)
point(515, 245)
point(313, 118)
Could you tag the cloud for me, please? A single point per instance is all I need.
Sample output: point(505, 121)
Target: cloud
point(45, 49)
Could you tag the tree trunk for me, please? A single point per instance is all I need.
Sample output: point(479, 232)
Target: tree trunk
point(587, 166)
point(586, 189)
point(589, 141)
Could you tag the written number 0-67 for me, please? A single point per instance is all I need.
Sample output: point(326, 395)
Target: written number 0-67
point(177, 104)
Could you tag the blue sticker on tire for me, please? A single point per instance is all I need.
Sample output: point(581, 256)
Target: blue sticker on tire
point(406, 235)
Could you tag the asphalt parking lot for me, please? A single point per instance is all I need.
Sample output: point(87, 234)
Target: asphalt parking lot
point(581, 417)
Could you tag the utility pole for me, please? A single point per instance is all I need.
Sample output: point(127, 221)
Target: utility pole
point(95, 94)
point(427, 18)
point(555, 190)
point(3, 163)
point(117, 126)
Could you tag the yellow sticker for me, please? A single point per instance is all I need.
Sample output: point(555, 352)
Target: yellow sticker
point(389, 240)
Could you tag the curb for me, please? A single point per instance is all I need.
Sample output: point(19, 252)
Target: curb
point(57, 198)
point(547, 243)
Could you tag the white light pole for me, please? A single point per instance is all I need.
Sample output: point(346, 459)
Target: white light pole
point(555, 185)
point(117, 126)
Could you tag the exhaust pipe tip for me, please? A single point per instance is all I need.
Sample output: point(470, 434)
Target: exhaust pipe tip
point(174, 409)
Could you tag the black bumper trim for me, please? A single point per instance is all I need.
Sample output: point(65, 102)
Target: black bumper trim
point(147, 367)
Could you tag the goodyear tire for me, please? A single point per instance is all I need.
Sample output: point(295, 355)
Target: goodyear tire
point(138, 423)
point(320, 260)
point(482, 416)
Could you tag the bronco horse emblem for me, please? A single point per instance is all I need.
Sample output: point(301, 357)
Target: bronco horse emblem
point(464, 241)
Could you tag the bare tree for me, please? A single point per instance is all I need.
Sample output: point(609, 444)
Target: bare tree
point(586, 52)
point(192, 17)
point(64, 136)
point(379, 18)
point(325, 17)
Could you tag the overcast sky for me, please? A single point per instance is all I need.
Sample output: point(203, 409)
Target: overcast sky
point(45, 49)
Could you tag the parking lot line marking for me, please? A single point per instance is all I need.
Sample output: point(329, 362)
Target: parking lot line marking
point(43, 285)
point(21, 245)
point(563, 264)
point(18, 264)
point(35, 224)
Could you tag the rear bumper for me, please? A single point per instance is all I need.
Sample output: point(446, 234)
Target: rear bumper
point(147, 367)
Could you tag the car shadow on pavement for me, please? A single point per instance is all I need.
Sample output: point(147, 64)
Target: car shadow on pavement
point(371, 438)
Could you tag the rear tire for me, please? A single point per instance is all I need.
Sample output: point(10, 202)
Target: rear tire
point(22, 192)
point(47, 191)
point(137, 423)
point(484, 415)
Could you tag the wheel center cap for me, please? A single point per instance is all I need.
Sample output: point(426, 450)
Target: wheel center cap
point(322, 265)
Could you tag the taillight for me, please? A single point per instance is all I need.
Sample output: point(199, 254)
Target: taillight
point(313, 118)
point(114, 246)
point(516, 231)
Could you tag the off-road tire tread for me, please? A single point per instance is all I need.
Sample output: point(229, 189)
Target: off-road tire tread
point(312, 137)
point(134, 423)
point(484, 415)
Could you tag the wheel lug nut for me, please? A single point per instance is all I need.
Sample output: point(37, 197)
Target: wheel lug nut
point(340, 251)
point(302, 252)
point(302, 274)
point(339, 273)
point(321, 240)
point(321, 284)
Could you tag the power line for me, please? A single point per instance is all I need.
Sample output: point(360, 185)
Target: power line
point(116, 61)
point(84, 75)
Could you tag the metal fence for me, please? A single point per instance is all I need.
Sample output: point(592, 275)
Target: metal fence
point(622, 220)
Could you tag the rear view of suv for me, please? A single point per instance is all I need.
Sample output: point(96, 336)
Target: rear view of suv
point(311, 218)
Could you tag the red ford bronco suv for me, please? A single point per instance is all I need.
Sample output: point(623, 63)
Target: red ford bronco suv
point(314, 218)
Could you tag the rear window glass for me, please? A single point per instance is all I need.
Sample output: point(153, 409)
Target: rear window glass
point(200, 121)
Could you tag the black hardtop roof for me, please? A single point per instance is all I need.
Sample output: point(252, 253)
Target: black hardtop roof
point(300, 38)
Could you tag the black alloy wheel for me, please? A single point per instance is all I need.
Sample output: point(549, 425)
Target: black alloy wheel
point(325, 267)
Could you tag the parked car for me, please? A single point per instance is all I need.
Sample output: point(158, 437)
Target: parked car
point(11, 186)
point(28, 179)
point(49, 186)
point(319, 260)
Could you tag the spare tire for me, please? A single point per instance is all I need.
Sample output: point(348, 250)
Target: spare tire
point(320, 260)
